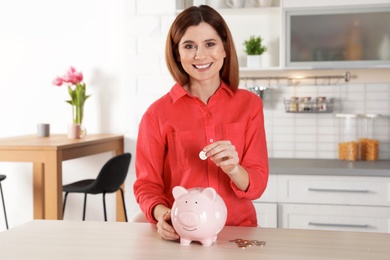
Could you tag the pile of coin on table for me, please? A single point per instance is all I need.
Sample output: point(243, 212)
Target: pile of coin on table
point(243, 243)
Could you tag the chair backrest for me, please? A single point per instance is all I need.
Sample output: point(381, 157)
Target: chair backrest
point(113, 174)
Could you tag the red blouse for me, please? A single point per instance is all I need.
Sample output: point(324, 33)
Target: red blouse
point(173, 131)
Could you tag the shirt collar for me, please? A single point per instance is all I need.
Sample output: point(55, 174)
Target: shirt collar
point(178, 91)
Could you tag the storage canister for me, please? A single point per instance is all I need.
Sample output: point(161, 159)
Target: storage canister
point(369, 145)
point(348, 148)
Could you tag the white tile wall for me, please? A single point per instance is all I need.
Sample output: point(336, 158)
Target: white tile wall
point(317, 135)
point(288, 135)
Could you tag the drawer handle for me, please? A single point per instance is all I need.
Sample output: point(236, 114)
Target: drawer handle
point(338, 190)
point(338, 225)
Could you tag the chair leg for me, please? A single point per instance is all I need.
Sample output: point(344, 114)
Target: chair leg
point(85, 205)
point(63, 206)
point(5, 213)
point(124, 205)
point(104, 206)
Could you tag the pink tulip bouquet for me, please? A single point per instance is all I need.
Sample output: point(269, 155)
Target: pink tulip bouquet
point(76, 89)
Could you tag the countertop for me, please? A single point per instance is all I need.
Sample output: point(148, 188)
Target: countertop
point(60, 240)
point(379, 168)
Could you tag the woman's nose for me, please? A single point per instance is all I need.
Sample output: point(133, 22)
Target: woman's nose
point(200, 52)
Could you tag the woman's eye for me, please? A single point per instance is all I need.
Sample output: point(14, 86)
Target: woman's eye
point(189, 46)
point(210, 44)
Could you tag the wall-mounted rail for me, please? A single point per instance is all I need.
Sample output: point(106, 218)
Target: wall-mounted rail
point(295, 80)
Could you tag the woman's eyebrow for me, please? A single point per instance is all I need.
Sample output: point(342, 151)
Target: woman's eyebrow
point(187, 41)
point(191, 41)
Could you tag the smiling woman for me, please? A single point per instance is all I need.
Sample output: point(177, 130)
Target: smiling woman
point(205, 132)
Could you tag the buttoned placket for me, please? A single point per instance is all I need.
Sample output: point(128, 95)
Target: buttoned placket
point(210, 138)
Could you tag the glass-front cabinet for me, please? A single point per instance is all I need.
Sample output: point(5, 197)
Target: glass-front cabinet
point(342, 37)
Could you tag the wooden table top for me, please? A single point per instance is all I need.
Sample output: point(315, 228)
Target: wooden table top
point(55, 239)
point(54, 141)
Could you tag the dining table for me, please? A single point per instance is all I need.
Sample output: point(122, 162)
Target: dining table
point(47, 155)
point(98, 240)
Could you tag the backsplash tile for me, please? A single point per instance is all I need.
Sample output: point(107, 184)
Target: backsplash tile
point(312, 135)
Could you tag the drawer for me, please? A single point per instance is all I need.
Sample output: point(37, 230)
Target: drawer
point(341, 190)
point(267, 214)
point(342, 218)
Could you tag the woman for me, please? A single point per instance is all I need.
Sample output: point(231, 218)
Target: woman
point(205, 132)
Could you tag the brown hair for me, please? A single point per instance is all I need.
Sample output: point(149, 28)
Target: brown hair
point(193, 16)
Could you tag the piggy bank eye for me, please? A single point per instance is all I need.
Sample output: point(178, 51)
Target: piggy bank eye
point(186, 202)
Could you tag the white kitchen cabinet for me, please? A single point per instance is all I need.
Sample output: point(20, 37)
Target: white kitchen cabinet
point(334, 217)
point(350, 203)
point(336, 37)
point(338, 190)
point(353, 203)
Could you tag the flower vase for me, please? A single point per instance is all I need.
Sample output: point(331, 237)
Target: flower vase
point(76, 131)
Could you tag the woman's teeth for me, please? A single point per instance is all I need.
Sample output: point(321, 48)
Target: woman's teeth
point(202, 66)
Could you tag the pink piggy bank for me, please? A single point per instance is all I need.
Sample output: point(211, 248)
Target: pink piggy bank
point(198, 214)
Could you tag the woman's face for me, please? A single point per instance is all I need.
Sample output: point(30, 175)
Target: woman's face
point(201, 52)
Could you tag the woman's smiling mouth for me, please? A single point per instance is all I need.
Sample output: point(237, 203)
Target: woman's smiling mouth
point(205, 66)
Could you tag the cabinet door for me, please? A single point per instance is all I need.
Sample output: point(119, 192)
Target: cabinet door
point(343, 37)
point(342, 218)
point(266, 214)
point(341, 190)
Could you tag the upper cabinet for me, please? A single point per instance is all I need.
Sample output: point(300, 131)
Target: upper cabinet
point(336, 37)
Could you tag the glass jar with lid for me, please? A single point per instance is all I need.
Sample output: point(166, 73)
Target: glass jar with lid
point(348, 147)
point(369, 145)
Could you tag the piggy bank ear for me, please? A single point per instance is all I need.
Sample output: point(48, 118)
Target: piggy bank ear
point(177, 191)
point(210, 193)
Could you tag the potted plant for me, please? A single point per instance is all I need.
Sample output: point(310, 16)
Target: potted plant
point(254, 49)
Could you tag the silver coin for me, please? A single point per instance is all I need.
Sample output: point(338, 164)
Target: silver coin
point(202, 155)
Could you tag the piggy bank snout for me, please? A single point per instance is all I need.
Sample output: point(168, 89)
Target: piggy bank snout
point(189, 219)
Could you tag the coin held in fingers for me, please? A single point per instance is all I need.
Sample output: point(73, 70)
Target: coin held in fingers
point(202, 155)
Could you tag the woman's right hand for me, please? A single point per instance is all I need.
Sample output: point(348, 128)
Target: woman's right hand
point(164, 228)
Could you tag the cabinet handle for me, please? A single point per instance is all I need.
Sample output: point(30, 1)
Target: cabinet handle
point(338, 225)
point(338, 190)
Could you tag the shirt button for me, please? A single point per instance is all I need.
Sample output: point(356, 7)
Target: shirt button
point(211, 140)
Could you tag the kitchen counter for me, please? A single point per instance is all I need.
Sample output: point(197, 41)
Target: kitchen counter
point(56, 239)
point(329, 167)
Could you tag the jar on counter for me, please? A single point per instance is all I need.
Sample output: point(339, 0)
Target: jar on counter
point(369, 145)
point(348, 148)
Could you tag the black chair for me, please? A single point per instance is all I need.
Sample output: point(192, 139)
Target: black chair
point(109, 180)
point(2, 178)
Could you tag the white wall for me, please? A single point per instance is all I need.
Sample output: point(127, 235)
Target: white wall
point(38, 41)
point(119, 46)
